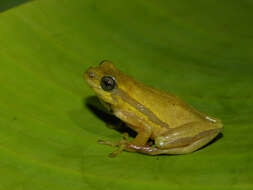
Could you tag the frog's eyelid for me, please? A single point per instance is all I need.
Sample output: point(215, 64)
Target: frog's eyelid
point(103, 62)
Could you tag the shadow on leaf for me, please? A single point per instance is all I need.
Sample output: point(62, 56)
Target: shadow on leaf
point(94, 105)
point(8, 4)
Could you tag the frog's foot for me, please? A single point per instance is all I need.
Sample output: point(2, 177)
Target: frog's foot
point(123, 141)
point(121, 145)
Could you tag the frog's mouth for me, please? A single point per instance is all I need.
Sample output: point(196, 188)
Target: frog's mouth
point(92, 84)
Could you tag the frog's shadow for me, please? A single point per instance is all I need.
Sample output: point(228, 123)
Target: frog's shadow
point(112, 122)
point(94, 105)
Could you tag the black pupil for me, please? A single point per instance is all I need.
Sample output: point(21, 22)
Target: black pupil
point(107, 83)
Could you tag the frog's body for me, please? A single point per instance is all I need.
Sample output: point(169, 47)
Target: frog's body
point(175, 126)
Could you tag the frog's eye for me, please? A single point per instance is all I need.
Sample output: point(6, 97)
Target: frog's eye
point(107, 83)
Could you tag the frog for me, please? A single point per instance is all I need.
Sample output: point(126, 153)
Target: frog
point(163, 122)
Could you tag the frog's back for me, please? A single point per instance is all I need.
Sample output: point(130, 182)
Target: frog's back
point(161, 107)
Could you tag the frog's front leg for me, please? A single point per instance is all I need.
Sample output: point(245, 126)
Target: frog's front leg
point(143, 130)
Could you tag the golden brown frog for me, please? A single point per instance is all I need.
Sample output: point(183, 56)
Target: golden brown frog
point(173, 125)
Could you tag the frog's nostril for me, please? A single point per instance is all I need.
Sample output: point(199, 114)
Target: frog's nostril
point(91, 74)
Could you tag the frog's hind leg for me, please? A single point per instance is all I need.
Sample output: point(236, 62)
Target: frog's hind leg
point(187, 138)
point(179, 150)
point(175, 142)
point(195, 145)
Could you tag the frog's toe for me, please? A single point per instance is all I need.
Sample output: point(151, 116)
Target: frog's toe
point(121, 142)
point(114, 144)
point(119, 150)
point(121, 146)
point(108, 143)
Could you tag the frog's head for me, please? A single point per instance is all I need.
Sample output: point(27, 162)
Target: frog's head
point(105, 80)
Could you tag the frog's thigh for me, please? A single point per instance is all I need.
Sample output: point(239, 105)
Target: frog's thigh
point(142, 128)
point(178, 142)
point(180, 150)
point(186, 134)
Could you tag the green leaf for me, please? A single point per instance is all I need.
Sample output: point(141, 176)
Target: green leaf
point(199, 50)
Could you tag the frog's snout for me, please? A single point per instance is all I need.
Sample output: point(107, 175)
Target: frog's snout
point(91, 78)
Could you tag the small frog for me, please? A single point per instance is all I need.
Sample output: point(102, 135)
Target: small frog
point(173, 125)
